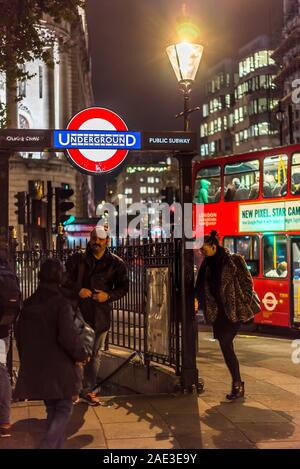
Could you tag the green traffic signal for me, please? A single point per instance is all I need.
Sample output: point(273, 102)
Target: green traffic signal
point(62, 204)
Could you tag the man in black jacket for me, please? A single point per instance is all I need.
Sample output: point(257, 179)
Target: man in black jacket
point(99, 278)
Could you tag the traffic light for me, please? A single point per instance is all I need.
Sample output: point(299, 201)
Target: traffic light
point(21, 207)
point(62, 204)
point(39, 213)
point(168, 195)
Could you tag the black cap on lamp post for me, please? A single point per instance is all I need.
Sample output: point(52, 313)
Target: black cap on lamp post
point(185, 59)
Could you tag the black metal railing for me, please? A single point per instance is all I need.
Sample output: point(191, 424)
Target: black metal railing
point(129, 322)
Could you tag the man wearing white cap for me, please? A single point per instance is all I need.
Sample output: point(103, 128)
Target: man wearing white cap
point(99, 278)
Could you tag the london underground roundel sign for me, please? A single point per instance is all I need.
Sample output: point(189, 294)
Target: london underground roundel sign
point(96, 140)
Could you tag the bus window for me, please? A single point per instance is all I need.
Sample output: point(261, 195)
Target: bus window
point(240, 181)
point(295, 177)
point(246, 246)
point(275, 256)
point(208, 185)
point(275, 176)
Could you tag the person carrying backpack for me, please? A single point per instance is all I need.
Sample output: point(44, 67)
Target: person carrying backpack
point(10, 303)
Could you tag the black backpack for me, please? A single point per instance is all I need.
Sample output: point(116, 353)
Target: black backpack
point(10, 296)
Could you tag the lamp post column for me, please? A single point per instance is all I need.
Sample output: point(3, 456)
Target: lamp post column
point(189, 374)
point(186, 97)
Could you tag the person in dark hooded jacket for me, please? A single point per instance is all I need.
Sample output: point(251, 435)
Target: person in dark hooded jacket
point(51, 350)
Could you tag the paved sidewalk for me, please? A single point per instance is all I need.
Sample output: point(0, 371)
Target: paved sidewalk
point(268, 418)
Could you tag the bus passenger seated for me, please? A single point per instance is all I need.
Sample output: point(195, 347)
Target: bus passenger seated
point(255, 188)
point(282, 269)
point(242, 193)
point(267, 191)
point(295, 184)
point(283, 190)
point(270, 179)
point(217, 197)
point(231, 189)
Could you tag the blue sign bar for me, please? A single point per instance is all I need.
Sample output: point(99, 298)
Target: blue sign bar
point(97, 139)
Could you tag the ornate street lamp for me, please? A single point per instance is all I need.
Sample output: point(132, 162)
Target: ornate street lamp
point(185, 59)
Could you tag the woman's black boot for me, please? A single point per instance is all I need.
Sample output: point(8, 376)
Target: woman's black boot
point(237, 391)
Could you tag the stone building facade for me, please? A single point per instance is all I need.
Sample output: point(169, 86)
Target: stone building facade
point(49, 100)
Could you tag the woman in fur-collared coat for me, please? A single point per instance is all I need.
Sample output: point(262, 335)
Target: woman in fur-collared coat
point(224, 289)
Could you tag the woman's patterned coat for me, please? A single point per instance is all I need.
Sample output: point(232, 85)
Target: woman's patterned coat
point(236, 291)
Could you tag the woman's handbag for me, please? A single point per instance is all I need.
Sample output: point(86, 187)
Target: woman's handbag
point(255, 303)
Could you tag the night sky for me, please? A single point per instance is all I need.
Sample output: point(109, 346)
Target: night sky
point(131, 72)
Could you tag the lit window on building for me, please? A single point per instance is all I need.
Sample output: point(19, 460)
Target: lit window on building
point(204, 150)
point(215, 105)
point(205, 111)
point(204, 130)
point(142, 180)
point(150, 180)
point(212, 148)
point(143, 190)
point(157, 180)
point(151, 190)
point(128, 201)
point(157, 190)
point(128, 190)
point(228, 100)
point(263, 128)
point(258, 60)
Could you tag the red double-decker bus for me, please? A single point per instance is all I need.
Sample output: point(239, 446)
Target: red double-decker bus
point(253, 201)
